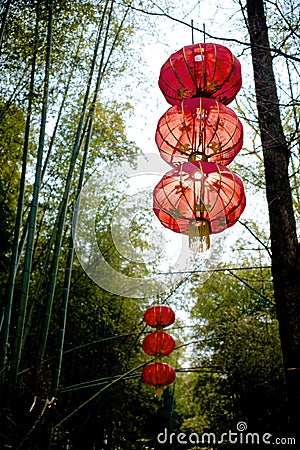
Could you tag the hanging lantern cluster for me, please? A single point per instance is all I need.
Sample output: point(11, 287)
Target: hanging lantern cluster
point(158, 344)
point(199, 136)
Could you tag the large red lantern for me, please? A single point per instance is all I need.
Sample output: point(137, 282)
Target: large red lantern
point(158, 375)
point(159, 316)
point(197, 129)
point(158, 343)
point(201, 70)
point(199, 199)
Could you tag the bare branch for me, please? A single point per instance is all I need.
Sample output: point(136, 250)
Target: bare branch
point(227, 39)
point(256, 237)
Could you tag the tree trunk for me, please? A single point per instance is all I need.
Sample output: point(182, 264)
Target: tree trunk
point(284, 244)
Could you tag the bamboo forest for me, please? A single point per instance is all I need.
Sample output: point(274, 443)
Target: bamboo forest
point(149, 224)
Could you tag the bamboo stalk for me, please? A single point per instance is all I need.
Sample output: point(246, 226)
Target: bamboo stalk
point(61, 220)
point(68, 270)
point(64, 204)
point(19, 217)
point(20, 85)
point(98, 393)
point(97, 382)
point(47, 257)
point(2, 317)
point(32, 219)
point(62, 105)
point(50, 243)
point(88, 344)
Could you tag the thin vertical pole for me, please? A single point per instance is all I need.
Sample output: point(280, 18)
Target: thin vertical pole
point(16, 249)
point(32, 221)
point(64, 204)
point(68, 270)
point(192, 25)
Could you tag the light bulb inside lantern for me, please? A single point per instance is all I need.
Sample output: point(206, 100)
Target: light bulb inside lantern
point(198, 176)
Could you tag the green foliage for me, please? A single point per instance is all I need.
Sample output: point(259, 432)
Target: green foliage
point(11, 142)
point(239, 358)
point(11, 145)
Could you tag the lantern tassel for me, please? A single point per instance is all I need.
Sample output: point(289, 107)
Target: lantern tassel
point(199, 231)
point(158, 391)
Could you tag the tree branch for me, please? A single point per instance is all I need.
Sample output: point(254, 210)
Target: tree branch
point(227, 39)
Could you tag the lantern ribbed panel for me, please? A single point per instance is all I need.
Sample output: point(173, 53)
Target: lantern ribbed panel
point(158, 374)
point(217, 197)
point(198, 129)
point(201, 70)
point(158, 343)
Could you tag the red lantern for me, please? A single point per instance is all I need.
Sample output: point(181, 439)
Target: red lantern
point(159, 316)
point(158, 343)
point(197, 129)
point(158, 375)
point(201, 70)
point(198, 199)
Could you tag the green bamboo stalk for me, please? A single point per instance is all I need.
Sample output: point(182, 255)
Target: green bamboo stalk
point(20, 85)
point(98, 393)
point(19, 217)
point(98, 341)
point(64, 204)
point(68, 270)
point(2, 317)
point(57, 249)
point(32, 221)
point(52, 140)
point(97, 382)
point(50, 243)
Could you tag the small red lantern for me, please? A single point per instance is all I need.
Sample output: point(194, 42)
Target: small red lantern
point(159, 316)
point(158, 343)
point(199, 129)
point(201, 70)
point(198, 199)
point(158, 375)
